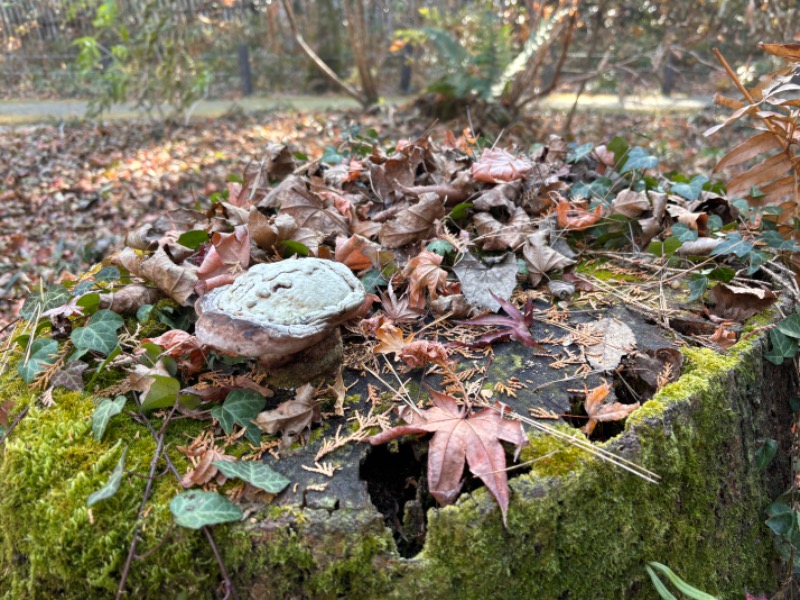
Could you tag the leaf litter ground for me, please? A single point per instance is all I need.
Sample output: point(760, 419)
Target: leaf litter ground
point(436, 228)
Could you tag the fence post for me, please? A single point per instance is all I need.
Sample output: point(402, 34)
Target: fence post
point(245, 74)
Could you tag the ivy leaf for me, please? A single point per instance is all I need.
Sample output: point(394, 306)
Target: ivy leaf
point(240, 408)
point(108, 275)
point(684, 233)
point(639, 159)
point(255, 473)
point(783, 347)
point(196, 509)
point(40, 357)
point(697, 287)
point(52, 298)
point(665, 248)
point(112, 485)
point(580, 153)
point(162, 394)
point(790, 326)
point(691, 190)
point(100, 335)
point(766, 451)
point(103, 413)
point(733, 244)
point(482, 283)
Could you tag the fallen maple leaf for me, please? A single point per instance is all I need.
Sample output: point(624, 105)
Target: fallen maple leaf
point(599, 412)
point(516, 326)
point(398, 309)
point(497, 166)
point(413, 223)
point(423, 271)
point(418, 353)
point(461, 435)
point(541, 258)
point(390, 340)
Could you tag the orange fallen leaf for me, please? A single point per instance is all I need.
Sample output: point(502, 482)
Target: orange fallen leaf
point(574, 217)
point(599, 412)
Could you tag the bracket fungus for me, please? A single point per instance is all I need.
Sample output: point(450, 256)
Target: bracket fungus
point(285, 314)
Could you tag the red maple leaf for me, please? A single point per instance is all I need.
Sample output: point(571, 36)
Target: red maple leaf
point(461, 435)
point(516, 326)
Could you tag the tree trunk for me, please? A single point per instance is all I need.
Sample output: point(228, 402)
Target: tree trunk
point(245, 74)
point(357, 30)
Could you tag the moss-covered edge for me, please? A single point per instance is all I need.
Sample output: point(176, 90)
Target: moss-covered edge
point(578, 527)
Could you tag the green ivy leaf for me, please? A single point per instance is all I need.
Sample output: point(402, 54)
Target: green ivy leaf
point(697, 287)
point(639, 159)
point(580, 153)
point(100, 335)
point(240, 408)
point(193, 239)
point(690, 190)
point(196, 509)
point(620, 148)
point(440, 247)
point(790, 326)
point(723, 274)
point(684, 233)
point(162, 394)
point(783, 347)
point(665, 248)
point(89, 303)
point(112, 485)
point(41, 355)
point(372, 280)
point(766, 451)
point(143, 312)
point(54, 297)
point(108, 275)
point(103, 413)
point(733, 244)
point(255, 473)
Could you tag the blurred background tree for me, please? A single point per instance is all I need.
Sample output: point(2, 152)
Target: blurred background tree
point(500, 56)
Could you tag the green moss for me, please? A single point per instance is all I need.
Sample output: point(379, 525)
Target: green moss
point(595, 268)
point(52, 544)
point(551, 457)
point(588, 535)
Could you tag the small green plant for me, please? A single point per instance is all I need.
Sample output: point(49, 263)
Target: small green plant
point(152, 61)
point(481, 60)
point(684, 588)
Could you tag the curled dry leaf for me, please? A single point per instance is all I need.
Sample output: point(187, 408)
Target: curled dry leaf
point(541, 258)
point(423, 272)
point(575, 217)
point(129, 299)
point(412, 224)
point(616, 340)
point(204, 470)
point(496, 235)
point(308, 209)
point(502, 196)
point(497, 166)
point(723, 337)
point(599, 412)
point(418, 353)
point(629, 203)
point(460, 435)
point(176, 281)
point(736, 303)
point(266, 231)
point(292, 417)
point(356, 252)
point(182, 346)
